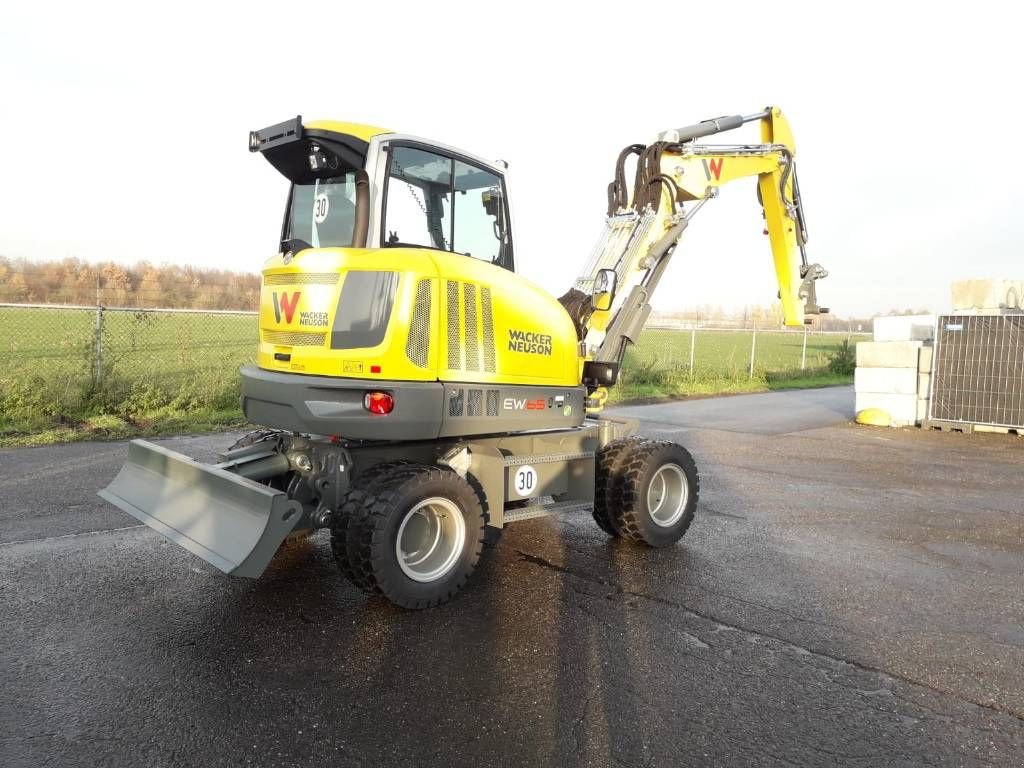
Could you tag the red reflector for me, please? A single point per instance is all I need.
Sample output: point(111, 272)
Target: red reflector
point(374, 369)
point(379, 402)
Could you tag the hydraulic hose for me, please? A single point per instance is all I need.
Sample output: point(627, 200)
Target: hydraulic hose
point(618, 194)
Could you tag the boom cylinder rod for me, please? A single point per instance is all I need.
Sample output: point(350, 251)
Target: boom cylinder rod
point(712, 126)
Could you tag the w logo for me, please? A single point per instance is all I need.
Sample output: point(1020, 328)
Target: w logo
point(713, 167)
point(286, 306)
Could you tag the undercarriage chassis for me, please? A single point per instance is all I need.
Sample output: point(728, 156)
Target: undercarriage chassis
point(235, 514)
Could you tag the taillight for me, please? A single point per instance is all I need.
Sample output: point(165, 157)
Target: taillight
point(379, 402)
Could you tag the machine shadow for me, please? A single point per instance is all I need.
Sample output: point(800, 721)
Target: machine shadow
point(530, 665)
point(614, 704)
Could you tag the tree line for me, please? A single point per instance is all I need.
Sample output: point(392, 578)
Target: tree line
point(172, 286)
point(143, 284)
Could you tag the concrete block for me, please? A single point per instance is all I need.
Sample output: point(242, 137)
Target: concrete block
point(924, 381)
point(904, 328)
point(888, 354)
point(922, 409)
point(924, 360)
point(902, 409)
point(988, 294)
point(892, 381)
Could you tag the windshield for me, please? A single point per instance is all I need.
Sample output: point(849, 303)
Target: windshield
point(323, 213)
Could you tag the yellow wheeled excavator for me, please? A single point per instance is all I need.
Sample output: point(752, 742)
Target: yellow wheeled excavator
point(414, 393)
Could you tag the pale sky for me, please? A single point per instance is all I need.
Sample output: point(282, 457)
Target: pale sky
point(124, 129)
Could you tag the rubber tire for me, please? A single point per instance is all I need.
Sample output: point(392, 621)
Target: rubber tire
point(492, 535)
point(608, 470)
point(374, 528)
point(344, 517)
point(631, 518)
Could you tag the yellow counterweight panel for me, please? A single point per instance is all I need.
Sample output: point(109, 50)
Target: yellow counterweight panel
point(453, 318)
point(298, 304)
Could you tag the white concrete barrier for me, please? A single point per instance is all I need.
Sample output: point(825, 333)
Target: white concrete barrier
point(888, 354)
point(891, 381)
point(924, 360)
point(904, 328)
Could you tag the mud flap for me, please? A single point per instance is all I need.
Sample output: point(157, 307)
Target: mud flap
point(232, 523)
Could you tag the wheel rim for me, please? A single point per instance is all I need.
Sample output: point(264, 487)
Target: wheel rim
point(430, 539)
point(667, 495)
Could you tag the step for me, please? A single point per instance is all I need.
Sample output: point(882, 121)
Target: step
point(543, 458)
point(543, 510)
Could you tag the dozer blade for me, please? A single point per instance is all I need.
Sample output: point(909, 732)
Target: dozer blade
point(232, 523)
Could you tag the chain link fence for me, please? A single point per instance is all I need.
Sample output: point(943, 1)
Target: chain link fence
point(738, 351)
point(62, 365)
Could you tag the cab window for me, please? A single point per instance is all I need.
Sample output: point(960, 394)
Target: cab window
point(418, 199)
point(480, 229)
point(323, 213)
point(436, 201)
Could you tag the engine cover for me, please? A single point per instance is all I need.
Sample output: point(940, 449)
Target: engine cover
point(412, 314)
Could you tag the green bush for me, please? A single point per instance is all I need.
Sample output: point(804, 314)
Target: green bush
point(650, 373)
point(843, 360)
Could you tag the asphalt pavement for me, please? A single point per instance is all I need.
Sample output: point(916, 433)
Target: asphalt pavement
point(846, 596)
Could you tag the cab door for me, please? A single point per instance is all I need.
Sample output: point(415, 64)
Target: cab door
point(493, 327)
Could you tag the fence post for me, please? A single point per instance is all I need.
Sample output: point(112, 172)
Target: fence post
point(803, 353)
point(97, 367)
point(753, 346)
point(693, 345)
point(97, 357)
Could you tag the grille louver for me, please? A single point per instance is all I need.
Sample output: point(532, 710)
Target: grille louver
point(473, 402)
point(472, 335)
point(470, 328)
point(454, 331)
point(417, 348)
point(294, 338)
point(488, 323)
point(302, 278)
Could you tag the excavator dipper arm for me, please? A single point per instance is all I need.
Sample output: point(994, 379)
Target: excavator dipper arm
point(646, 219)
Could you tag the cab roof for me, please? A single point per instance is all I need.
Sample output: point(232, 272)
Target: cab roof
point(358, 130)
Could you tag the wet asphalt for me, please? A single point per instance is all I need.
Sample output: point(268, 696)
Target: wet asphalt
point(846, 596)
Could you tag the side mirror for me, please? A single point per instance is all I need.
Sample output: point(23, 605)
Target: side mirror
point(604, 290)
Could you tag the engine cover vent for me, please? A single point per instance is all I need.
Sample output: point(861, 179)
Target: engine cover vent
point(454, 331)
point(472, 334)
point(470, 328)
point(295, 338)
point(417, 347)
point(488, 329)
point(301, 278)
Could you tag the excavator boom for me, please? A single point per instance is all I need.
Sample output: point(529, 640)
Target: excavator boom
point(646, 219)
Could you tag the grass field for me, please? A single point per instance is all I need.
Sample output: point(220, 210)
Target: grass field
point(659, 366)
point(161, 373)
point(154, 373)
